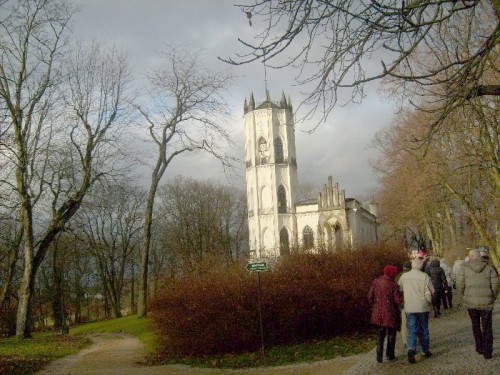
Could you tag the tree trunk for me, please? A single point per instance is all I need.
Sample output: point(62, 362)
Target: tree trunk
point(142, 301)
point(56, 289)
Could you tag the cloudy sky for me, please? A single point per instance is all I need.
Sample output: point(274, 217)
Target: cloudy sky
point(339, 147)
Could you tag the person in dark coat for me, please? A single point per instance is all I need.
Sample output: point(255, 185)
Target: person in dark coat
point(385, 297)
point(438, 279)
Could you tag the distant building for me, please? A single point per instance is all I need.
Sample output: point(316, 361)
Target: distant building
point(277, 221)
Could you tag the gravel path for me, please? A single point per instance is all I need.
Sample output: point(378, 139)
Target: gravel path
point(452, 345)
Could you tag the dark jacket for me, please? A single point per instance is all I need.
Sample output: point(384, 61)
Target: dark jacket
point(438, 277)
point(385, 297)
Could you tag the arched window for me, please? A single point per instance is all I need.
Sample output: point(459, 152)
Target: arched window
point(262, 150)
point(278, 151)
point(284, 242)
point(308, 238)
point(281, 200)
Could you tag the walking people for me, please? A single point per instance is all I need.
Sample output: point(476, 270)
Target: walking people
point(448, 295)
point(477, 285)
point(417, 291)
point(438, 279)
point(404, 331)
point(385, 297)
point(454, 271)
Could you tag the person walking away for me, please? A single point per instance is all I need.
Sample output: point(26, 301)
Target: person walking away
point(477, 285)
point(454, 271)
point(404, 331)
point(385, 297)
point(438, 279)
point(448, 297)
point(417, 291)
point(485, 254)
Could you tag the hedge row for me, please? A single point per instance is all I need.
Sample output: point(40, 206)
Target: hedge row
point(304, 297)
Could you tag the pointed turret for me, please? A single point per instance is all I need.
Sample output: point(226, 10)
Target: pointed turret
point(245, 107)
point(268, 98)
point(290, 104)
point(283, 103)
point(251, 104)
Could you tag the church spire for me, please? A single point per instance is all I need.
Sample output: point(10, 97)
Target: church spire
point(283, 103)
point(251, 104)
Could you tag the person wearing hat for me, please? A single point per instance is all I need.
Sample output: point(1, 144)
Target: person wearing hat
point(385, 297)
point(477, 285)
point(417, 290)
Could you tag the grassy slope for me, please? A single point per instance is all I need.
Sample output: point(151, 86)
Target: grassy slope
point(30, 355)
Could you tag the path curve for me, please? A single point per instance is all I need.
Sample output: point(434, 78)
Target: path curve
point(452, 345)
point(117, 354)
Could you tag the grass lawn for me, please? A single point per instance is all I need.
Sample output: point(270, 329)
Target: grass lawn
point(341, 346)
point(30, 355)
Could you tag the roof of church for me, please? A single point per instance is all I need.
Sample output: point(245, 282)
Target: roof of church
point(307, 202)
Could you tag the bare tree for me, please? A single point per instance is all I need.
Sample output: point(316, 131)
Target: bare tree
point(108, 227)
point(185, 113)
point(203, 220)
point(59, 133)
point(333, 45)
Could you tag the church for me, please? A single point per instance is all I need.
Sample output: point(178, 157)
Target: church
point(277, 221)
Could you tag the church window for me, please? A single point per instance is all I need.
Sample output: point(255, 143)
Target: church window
point(278, 151)
point(284, 242)
point(308, 237)
point(262, 150)
point(282, 200)
point(262, 144)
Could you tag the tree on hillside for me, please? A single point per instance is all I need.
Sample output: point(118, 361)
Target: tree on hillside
point(60, 108)
point(333, 45)
point(185, 113)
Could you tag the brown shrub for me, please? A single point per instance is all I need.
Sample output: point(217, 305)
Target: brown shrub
point(305, 296)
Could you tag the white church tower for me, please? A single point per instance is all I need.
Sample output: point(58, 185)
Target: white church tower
point(271, 175)
point(276, 221)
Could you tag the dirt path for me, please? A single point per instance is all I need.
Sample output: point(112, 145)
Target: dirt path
point(118, 354)
point(451, 343)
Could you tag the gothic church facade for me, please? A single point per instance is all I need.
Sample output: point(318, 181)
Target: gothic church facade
point(277, 221)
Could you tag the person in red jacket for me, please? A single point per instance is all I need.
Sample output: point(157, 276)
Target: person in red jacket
point(385, 297)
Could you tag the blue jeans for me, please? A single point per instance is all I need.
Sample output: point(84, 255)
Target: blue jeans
point(418, 326)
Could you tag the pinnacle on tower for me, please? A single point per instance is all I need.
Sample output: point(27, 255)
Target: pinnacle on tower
point(283, 103)
point(290, 103)
point(251, 104)
point(268, 97)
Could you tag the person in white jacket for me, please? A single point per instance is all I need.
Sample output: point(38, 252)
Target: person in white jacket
point(417, 293)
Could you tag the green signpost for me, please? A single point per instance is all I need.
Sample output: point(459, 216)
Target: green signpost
point(259, 267)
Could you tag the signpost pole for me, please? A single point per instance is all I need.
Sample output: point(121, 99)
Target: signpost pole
point(260, 315)
point(259, 267)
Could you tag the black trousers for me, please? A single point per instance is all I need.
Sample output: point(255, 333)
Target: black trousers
point(391, 343)
point(482, 330)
